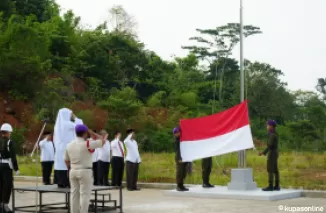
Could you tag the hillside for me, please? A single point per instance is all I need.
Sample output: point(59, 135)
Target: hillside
point(109, 78)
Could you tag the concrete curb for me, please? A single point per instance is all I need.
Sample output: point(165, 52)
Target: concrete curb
point(169, 186)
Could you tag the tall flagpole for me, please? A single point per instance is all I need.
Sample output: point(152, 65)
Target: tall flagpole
point(242, 154)
point(242, 178)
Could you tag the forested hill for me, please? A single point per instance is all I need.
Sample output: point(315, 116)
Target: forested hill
point(111, 80)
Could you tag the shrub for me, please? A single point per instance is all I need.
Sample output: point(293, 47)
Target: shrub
point(17, 136)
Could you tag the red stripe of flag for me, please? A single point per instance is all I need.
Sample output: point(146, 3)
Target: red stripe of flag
point(215, 125)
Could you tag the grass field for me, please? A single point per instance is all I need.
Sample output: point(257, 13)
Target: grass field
point(298, 169)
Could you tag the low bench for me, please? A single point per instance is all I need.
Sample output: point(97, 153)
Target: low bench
point(40, 207)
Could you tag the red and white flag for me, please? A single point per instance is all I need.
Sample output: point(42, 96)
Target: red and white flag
point(217, 134)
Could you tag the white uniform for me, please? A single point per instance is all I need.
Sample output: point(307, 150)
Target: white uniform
point(47, 150)
point(132, 162)
point(80, 176)
point(47, 159)
point(103, 165)
point(104, 154)
point(95, 155)
point(64, 132)
point(117, 162)
point(133, 155)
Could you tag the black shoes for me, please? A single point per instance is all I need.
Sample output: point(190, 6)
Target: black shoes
point(276, 188)
point(268, 188)
point(61, 186)
point(208, 185)
point(134, 189)
point(271, 188)
point(181, 188)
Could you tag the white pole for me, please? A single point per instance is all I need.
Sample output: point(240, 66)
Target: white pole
point(242, 154)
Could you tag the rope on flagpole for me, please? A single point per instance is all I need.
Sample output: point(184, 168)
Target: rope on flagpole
point(36, 148)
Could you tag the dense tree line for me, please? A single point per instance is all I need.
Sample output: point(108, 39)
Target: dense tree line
point(42, 53)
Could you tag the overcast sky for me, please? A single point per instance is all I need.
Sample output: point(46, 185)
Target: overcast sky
point(293, 38)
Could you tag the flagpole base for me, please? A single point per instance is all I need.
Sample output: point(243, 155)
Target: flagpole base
point(242, 179)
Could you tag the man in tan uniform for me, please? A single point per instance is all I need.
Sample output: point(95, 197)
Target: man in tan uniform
point(78, 158)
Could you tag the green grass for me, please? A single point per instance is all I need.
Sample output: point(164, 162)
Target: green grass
point(298, 169)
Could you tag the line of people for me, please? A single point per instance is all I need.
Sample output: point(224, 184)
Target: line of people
point(102, 161)
point(78, 159)
point(111, 154)
point(271, 152)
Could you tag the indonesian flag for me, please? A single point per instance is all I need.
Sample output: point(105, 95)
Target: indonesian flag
point(217, 134)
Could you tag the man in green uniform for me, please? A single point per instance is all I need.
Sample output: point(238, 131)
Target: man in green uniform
point(272, 157)
point(206, 165)
point(181, 166)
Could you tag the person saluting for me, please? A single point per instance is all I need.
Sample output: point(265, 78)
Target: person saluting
point(78, 159)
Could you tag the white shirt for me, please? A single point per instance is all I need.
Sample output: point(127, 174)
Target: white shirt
point(95, 156)
point(47, 150)
point(95, 153)
point(132, 150)
point(116, 151)
point(104, 152)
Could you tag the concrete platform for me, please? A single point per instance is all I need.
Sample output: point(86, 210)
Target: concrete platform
point(222, 192)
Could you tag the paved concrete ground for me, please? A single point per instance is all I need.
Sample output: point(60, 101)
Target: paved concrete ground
point(153, 201)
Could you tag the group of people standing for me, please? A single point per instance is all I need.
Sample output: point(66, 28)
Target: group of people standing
point(82, 158)
point(181, 166)
point(111, 154)
point(272, 161)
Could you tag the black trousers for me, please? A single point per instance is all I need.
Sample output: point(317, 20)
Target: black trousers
point(132, 174)
point(6, 183)
point(95, 173)
point(272, 169)
point(118, 165)
point(61, 177)
point(181, 173)
point(103, 173)
point(206, 165)
point(46, 171)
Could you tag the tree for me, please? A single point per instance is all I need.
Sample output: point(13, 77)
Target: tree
point(321, 86)
point(122, 21)
point(219, 42)
point(215, 47)
point(24, 56)
point(44, 10)
point(267, 94)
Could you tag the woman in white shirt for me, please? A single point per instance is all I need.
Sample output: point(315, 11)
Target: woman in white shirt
point(117, 162)
point(47, 157)
point(64, 133)
point(103, 164)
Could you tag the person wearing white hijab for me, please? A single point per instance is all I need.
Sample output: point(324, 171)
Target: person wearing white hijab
point(64, 132)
